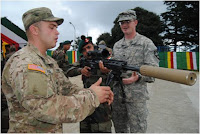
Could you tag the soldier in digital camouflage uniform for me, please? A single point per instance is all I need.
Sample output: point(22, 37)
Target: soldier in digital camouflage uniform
point(40, 98)
point(100, 120)
point(130, 115)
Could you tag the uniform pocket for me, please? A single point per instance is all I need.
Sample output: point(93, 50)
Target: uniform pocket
point(38, 84)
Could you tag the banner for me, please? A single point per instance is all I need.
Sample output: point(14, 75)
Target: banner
point(176, 60)
point(73, 56)
point(179, 60)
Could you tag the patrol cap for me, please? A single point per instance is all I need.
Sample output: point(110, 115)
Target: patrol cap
point(67, 42)
point(39, 14)
point(127, 15)
point(102, 42)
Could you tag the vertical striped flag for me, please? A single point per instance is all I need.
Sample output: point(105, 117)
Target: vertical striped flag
point(179, 60)
point(73, 56)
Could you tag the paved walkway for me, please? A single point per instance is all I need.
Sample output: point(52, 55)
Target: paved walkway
point(173, 108)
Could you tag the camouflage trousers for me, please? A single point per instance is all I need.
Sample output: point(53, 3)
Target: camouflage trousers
point(129, 117)
point(87, 127)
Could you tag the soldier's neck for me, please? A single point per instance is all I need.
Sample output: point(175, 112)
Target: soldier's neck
point(130, 36)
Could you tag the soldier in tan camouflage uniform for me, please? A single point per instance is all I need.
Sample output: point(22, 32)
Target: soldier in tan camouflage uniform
point(40, 98)
point(100, 120)
point(130, 116)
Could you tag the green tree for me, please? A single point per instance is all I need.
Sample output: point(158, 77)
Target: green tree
point(181, 23)
point(150, 25)
point(107, 38)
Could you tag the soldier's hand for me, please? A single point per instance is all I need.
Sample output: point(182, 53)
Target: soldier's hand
point(86, 71)
point(132, 79)
point(104, 93)
point(102, 68)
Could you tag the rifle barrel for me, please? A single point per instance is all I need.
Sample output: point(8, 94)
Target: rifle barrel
point(174, 75)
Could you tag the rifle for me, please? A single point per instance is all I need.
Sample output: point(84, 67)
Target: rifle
point(118, 67)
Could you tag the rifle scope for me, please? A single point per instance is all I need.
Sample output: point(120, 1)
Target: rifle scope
point(96, 54)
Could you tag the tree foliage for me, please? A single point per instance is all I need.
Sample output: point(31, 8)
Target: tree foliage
point(150, 25)
point(106, 37)
point(181, 23)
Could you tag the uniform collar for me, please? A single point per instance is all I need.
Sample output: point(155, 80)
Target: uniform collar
point(133, 41)
point(45, 58)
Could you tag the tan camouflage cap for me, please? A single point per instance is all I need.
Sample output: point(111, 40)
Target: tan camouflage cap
point(39, 14)
point(127, 15)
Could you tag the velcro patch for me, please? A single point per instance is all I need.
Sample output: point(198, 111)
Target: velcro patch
point(36, 67)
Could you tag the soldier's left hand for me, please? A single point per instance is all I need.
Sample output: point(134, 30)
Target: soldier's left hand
point(102, 68)
point(132, 79)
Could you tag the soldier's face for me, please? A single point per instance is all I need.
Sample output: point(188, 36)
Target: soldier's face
point(66, 47)
point(48, 34)
point(87, 48)
point(128, 27)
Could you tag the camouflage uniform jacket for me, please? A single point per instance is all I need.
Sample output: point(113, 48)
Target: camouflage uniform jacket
point(103, 112)
point(139, 51)
point(69, 70)
point(40, 98)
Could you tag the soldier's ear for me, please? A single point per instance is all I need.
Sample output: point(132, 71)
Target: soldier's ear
point(34, 29)
point(136, 22)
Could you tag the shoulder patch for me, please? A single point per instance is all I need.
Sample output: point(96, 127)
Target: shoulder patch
point(36, 67)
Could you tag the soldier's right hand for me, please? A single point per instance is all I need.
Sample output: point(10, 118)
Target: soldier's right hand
point(104, 93)
point(86, 71)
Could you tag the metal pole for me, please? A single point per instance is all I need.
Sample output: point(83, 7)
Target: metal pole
point(74, 35)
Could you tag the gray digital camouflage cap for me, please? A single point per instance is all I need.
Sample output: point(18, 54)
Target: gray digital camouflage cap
point(127, 15)
point(39, 14)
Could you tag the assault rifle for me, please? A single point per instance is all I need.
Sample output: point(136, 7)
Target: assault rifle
point(118, 67)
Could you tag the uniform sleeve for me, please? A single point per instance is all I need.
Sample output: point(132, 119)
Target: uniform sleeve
point(41, 98)
point(150, 58)
point(73, 71)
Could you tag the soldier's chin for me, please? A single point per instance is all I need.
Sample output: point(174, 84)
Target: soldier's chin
point(52, 46)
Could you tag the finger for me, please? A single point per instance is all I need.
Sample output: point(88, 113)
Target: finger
point(134, 74)
point(111, 97)
point(87, 74)
point(87, 68)
point(109, 102)
point(106, 88)
point(101, 64)
point(98, 82)
point(111, 93)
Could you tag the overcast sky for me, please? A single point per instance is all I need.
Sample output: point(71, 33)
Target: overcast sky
point(90, 18)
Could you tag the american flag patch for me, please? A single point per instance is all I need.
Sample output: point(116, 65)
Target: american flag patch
point(36, 67)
